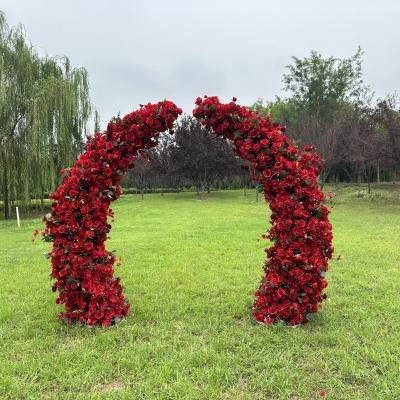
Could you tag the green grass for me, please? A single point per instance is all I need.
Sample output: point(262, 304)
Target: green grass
point(190, 268)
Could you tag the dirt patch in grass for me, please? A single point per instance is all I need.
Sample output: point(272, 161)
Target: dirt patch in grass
point(113, 386)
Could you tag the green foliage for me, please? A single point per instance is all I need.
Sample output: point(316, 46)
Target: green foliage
point(319, 87)
point(281, 110)
point(44, 108)
point(328, 105)
point(190, 334)
point(199, 156)
point(322, 86)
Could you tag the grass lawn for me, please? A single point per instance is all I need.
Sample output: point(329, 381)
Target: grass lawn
point(190, 268)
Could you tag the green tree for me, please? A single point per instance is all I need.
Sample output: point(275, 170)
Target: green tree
point(323, 86)
point(44, 108)
point(323, 96)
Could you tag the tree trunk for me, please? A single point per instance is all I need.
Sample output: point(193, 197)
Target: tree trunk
point(202, 193)
point(142, 193)
point(6, 198)
point(378, 174)
point(323, 177)
point(245, 190)
point(256, 195)
point(42, 200)
point(368, 176)
point(359, 175)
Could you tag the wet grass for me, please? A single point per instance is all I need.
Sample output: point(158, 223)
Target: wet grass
point(190, 268)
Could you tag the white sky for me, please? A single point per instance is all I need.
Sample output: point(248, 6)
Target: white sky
point(137, 52)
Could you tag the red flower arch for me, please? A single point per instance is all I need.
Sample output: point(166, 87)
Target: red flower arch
point(295, 268)
point(78, 224)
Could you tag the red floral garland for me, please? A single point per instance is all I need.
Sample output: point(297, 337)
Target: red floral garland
point(78, 224)
point(295, 268)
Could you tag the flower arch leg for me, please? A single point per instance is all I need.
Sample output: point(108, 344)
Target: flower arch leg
point(296, 263)
point(78, 223)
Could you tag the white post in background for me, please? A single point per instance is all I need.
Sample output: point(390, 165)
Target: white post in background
point(18, 222)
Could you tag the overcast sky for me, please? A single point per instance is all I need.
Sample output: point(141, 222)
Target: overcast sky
point(137, 52)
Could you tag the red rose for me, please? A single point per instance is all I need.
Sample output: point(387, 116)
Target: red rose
point(89, 234)
point(108, 171)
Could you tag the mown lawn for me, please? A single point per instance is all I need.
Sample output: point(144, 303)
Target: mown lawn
point(189, 269)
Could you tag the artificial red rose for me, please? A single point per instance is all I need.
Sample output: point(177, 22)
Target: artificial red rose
point(89, 234)
point(108, 171)
point(256, 147)
point(109, 145)
point(280, 293)
point(267, 173)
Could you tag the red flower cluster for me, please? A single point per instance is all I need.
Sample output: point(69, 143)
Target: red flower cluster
point(295, 268)
point(78, 223)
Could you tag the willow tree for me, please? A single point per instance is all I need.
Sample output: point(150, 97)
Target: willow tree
point(44, 109)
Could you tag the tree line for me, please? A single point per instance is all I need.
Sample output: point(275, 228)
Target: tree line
point(190, 159)
point(327, 104)
point(45, 107)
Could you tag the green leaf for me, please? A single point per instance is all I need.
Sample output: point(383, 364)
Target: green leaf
point(310, 316)
point(237, 134)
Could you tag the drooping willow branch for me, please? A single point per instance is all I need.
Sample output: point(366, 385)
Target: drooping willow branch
point(44, 108)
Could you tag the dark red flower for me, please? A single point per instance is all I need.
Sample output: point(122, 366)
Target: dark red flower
point(108, 171)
